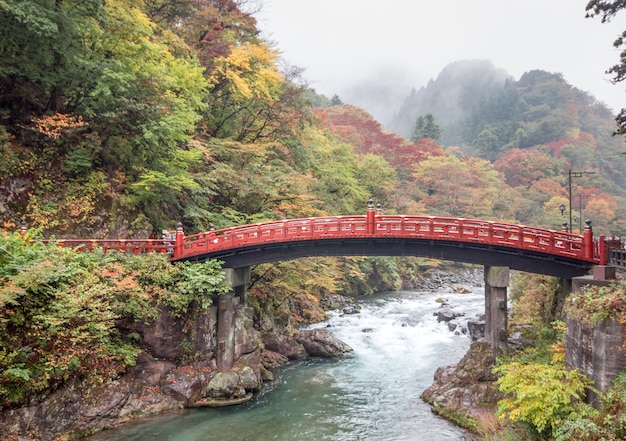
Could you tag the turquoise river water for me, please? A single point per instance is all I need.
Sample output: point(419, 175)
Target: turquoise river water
point(371, 394)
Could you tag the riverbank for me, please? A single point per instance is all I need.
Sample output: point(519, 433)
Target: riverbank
point(176, 369)
point(370, 393)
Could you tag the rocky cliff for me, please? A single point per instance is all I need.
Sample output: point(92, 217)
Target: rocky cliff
point(466, 390)
point(176, 369)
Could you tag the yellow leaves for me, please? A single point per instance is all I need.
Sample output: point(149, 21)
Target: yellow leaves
point(601, 210)
point(251, 71)
point(539, 394)
point(558, 355)
point(129, 29)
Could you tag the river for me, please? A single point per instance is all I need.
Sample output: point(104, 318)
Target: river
point(371, 394)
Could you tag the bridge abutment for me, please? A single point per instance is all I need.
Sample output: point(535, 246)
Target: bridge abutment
point(238, 278)
point(496, 309)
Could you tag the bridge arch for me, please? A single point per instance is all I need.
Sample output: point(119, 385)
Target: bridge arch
point(474, 253)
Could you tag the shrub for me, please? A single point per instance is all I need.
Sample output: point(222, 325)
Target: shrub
point(59, 310)
point(542, 395)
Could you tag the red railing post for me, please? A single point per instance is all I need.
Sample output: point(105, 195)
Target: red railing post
point(604, 255)
point(588, 240)
point(178, 245)
point(370, 220)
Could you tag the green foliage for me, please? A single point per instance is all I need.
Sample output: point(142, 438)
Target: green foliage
point(598, 303)
point(382, 273)
point(459, 417)
point(426, 127)
point(535, 302)
point(335, 101)
point(59, 310)
point(580, 424)
point(539, 394)
point(291, 290)
point(613, 417)
point(40, 52)
point(608, 423)
point(195, 286)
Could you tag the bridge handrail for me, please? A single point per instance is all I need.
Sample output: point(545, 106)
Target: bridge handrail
point(132, 246)
point(422, 227)
point(522, 237)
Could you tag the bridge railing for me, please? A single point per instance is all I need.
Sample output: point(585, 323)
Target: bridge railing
point(617, 257)
point(420, 227)
point(479, 231)
point(278, 231)
point(331, 227)
point(127, 246)
point(611, 250)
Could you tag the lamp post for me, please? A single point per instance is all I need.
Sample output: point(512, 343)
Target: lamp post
point(571, 175)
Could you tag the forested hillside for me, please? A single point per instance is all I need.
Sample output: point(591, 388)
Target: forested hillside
point(534, 131)
point(120, 120)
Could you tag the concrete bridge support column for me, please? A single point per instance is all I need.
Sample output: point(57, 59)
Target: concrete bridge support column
point(238, 278)
point(496, 319)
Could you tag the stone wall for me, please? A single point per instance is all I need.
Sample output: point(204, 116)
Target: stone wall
point(598, 350)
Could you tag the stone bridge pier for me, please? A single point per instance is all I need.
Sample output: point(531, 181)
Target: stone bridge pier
point(239, 279)
point(496, 313)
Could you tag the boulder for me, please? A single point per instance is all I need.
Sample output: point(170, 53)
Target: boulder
point(224, 385)
point(272, 359)
point(284, 345)
point(476, 329)
point(469, 386)
point(186, 384)
point(446, 315)
point(320, 343)
point(460, 289)
point(352, 309)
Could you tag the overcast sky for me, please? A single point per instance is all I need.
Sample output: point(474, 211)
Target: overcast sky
point(344, 44)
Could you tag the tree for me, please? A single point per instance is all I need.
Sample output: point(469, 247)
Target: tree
point(524, 167)
point(601, 210)
point(607, 9)
point(467, 187)
point(539, 394)
point(60, 311)
point(336, 101)
point(41, 53)
point(425, 127)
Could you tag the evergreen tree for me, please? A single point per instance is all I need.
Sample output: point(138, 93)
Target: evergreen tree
point(426, 127)
point(336, 101)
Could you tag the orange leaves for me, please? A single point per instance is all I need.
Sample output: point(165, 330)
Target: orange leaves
point(523, 167)
point(464, 188)
point(56, 125)
point(357, 128)
point(122, 280)
point(601, 209)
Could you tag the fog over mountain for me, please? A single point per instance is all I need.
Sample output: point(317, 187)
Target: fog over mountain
point(456, 90)
point(372, 53)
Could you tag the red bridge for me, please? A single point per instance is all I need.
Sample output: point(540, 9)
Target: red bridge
point(519, 247)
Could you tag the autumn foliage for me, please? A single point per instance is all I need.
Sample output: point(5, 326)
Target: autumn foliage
point(357, 128)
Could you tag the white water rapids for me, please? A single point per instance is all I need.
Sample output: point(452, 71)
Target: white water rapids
point(371, 394)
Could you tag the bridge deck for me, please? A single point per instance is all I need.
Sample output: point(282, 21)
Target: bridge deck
point(468, 240)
